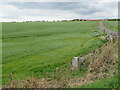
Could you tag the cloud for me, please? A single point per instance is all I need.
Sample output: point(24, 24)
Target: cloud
point(19, 11)
point(59, 0)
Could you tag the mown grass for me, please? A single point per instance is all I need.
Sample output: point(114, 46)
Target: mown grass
point(37, 48)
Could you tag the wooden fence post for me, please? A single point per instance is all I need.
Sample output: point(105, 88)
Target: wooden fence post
point(57, 73)
point(11, 77)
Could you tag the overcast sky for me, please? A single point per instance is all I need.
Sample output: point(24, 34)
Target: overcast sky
point(22, 11)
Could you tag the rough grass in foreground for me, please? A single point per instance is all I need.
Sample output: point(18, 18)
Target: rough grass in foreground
point(110, 82)
point(104, 63)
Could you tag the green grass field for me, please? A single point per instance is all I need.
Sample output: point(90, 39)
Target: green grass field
point(112, 25)
point(35, 48)
point(110, 82)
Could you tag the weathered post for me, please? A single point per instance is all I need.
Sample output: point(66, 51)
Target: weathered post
point(57, 70)
point(75, 63)
point(57, 73)
point(11, 77)
point(104, 31)
point(111, 38)
point(82, 60)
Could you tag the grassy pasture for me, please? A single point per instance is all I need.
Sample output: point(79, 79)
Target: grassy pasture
point(112, 25)
point(35, 48)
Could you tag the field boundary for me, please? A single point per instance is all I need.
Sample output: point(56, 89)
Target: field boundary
point(111, 34)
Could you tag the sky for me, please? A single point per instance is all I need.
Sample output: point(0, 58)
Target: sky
point(61, 10)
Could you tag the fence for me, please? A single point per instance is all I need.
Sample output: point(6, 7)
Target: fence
point(112, 35)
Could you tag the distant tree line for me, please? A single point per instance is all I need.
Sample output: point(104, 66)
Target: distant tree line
point(72, 20)
point(113, 19)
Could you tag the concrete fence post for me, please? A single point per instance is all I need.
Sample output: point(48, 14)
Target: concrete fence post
point(75, 63)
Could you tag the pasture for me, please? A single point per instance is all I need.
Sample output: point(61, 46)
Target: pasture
point(112, 25)
point(36, 48)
